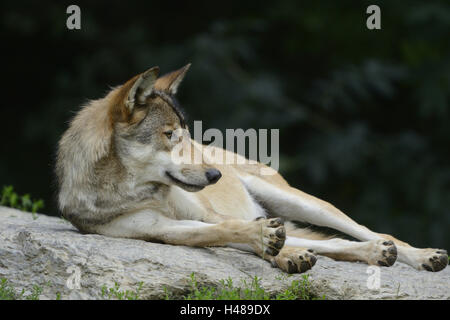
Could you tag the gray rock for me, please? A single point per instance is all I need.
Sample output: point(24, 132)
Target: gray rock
point(50, 253)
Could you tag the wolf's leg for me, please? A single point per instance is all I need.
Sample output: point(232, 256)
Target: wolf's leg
point(294, 204)
point(374, 252)
point(265, 236)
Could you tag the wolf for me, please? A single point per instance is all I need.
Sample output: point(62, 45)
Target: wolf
point(117, 177)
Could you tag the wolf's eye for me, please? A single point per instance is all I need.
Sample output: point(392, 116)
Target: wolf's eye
point(168, 134)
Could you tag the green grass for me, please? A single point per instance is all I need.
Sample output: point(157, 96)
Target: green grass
point(115, 293)
point(7, 292)
point(11, 199)
point(297, 290)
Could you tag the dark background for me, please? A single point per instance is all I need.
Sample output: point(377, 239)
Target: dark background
point(363, 114)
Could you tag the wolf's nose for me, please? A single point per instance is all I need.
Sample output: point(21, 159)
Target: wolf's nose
point(213, 175)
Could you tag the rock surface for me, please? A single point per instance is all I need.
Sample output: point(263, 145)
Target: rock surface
point(49, 252)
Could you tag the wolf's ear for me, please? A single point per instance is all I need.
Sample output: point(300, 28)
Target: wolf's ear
point(170, 82)
point(142, 88)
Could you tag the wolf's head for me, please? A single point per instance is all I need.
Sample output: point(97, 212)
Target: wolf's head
point(148, 125)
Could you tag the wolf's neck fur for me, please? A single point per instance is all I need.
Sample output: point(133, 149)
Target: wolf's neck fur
point(94, 186)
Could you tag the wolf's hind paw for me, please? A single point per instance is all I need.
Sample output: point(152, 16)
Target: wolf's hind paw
point(295, 260)
point(436, 261)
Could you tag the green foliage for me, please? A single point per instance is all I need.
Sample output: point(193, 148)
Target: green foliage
point(7, 292)
point(116, 294)
point(35, 294)
point(247, 291)
point(11, 199)
point(227, 291)
point(297, 290)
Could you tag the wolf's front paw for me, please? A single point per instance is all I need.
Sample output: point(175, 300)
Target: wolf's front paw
point(295, 260)
point(269, 237)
